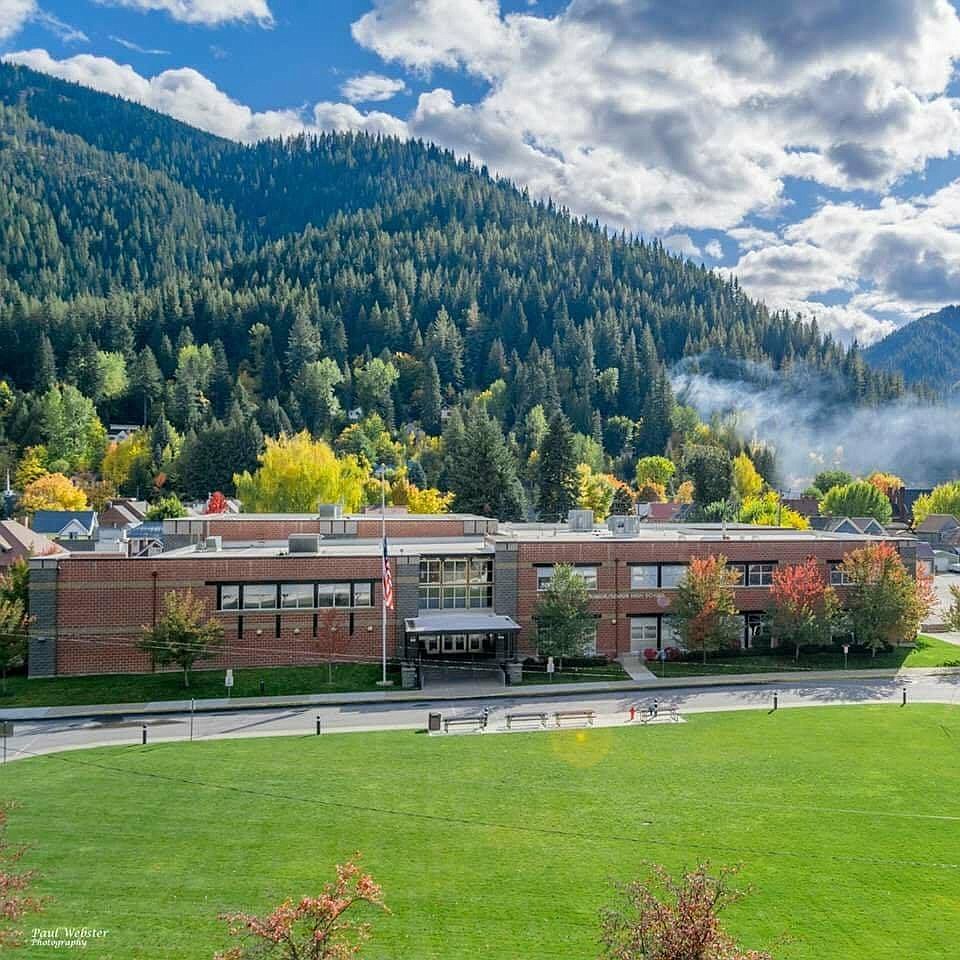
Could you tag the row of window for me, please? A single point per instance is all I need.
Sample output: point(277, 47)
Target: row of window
point(456, 583)
point(664, 576)
point(294, 596)
point(456, 570)
point(658, 632)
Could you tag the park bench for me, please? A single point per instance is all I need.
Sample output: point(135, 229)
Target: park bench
point(539, 718)
point(663, 713)
point(475, 723)
point(565, 717)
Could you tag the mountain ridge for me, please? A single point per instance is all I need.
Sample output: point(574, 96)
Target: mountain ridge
point(925, 351)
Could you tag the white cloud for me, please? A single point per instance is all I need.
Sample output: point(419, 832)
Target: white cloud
point(371, 87)
point(63, 31)
point(183, 93)
point(894, 261)
point(207, 12)
point(136, 48)
point(13, 15)
point(191, 97)
point(714, 249)
point(681, 243)
point(660, 118)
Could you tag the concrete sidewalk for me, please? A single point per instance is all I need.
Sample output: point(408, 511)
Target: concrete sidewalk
point(425, 698)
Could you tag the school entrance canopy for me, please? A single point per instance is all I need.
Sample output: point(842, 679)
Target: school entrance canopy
point(460, 633)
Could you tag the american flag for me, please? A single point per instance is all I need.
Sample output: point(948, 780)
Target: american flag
point(387, 579)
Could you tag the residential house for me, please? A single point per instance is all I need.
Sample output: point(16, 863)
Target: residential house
point(77, 527)
point(18, 541)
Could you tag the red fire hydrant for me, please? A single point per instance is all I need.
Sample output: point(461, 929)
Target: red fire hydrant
point(633, 713)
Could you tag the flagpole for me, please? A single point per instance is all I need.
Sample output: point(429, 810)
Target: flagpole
point(383, 593)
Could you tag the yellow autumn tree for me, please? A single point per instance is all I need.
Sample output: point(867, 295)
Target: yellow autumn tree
point(594, 491)
point(747, 482)
point(886, 483)
point(53, 491)
point(766, 510)
point(428, 500)
point(124, 458)
point(297, 473)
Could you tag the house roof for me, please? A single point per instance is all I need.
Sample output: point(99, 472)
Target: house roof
point(55, 521)
point(935, 522)
point(148, 530)
point(121, 513)
point(16, 538)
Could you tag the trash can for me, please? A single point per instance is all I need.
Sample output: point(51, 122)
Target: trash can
point(433, 723)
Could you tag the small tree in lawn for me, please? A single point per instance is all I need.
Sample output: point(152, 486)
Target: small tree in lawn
point(669, 919)
point(951, 616)
point(805, 606)
point(885, 604)
point(315, 928)
point(704, 608)
point(183, 634)
point(563, 615)
point(15, 902)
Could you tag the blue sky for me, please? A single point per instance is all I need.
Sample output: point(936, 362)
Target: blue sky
point(809, 148)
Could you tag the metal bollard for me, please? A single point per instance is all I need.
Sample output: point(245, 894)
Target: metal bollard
point(776, 700)
point(143, 733)
point(633, 713)
point(904, 703)
point(263, 687)
point(319, 725)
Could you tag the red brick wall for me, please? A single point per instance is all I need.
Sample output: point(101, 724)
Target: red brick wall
point(104, 603)
point(615, 601)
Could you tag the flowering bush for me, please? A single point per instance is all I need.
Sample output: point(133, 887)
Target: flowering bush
point(650, 653)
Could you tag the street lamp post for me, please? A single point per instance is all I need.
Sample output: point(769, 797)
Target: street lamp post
point(382, 473)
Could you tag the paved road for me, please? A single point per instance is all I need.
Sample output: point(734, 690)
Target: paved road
point(50, 735)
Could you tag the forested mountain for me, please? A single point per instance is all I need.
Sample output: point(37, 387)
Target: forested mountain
point(177, 277)
point(926, 351)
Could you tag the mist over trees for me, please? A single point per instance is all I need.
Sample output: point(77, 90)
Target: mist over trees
point(376, 294)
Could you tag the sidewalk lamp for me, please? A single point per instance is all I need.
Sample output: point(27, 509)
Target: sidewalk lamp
point(846, 651)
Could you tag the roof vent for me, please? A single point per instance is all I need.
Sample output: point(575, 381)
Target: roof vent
point(213, 544)
point(623, 526)
point(303, 543)
point(580, 521)
point(330, 511)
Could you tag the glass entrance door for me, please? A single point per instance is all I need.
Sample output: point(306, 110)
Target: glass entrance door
point(643, 634)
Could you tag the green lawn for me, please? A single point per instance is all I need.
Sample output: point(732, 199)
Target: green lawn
point(928, 652)
point(503, 847)
point(593, 674)
point(144, 687)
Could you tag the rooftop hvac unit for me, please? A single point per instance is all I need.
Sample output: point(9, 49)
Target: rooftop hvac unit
point(623, 526)
point(330, 511)
point(213, 543)
point(580, 521)
point(303, 543)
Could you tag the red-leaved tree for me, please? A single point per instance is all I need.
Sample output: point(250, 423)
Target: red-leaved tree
point(15, 902)
point(668, 919)
point(805, 606)
point(216, 503)
point(315, 928)
point(704, 607)
point(885, 605)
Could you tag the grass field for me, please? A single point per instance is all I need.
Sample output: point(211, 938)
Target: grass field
point(929, 652)
point(502, 847)
point(144, 687)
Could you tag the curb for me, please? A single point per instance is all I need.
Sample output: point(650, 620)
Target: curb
point(161, 708)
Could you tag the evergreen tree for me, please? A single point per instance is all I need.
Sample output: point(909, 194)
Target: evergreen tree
point(556, 471)
point(45, 376)
point(430, 399)
point(479, 468)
